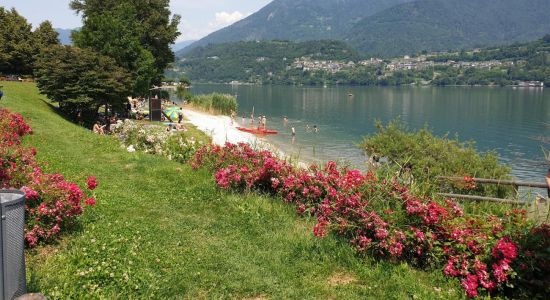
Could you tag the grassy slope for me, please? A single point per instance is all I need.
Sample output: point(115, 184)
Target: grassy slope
point(161, 231)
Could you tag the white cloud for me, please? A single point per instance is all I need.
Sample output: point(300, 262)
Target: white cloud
point(221, 19)
point(224, 19)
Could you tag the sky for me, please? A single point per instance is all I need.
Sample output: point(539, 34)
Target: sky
point(199, 17)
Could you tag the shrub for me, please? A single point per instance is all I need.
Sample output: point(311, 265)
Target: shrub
point(52, 205)
point(216, 103)
point(153, 139)
point(431, 156)
point(382, 218)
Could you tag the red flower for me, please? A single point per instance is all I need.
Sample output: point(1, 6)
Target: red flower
point(90, 202)
point(505, 249)
point(92, 183)
point(470, 284)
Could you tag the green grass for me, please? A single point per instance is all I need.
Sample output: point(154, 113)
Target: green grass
point(163, 231)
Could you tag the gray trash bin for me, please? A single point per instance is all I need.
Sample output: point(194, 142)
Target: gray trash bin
point(12, 248)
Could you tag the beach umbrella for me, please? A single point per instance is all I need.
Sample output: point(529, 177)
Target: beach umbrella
point(172, 112)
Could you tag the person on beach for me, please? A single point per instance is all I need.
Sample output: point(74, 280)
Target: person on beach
point(233, 115)
point(374, 162)
point(405, 174)
point(264, 122)
point(180, 127)
point(548, 182)
point(251, 118)
point(293, 131)
point(98, 129)
point(180, 117)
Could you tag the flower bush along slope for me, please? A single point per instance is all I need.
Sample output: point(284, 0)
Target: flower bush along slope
point(52, 204)
point(156, 140)
point(381, 217)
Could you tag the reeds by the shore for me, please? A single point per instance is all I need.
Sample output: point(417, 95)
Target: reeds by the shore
point(215, 103)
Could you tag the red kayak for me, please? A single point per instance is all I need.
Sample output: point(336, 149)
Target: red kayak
point(257, 130)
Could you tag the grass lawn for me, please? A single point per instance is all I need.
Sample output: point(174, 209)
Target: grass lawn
point(163, 231)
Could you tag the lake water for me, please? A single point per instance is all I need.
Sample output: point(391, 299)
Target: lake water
point(509, 121)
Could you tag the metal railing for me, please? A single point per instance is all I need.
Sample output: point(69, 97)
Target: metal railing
point(515, 185)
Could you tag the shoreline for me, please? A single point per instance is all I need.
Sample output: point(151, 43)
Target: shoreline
point(220, 130)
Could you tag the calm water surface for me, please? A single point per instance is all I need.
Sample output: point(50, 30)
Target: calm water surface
point(509, 121)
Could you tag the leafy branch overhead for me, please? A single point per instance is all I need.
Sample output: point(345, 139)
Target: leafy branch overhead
point(136, 34)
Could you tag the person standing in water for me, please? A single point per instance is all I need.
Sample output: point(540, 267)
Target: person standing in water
point(315, 129)
point(264, 122)
point(233, 115)
point(285, 121)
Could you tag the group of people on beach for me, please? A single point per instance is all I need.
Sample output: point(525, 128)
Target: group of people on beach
point(105, 125)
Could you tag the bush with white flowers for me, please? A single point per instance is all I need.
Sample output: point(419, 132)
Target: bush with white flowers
point(154, 139)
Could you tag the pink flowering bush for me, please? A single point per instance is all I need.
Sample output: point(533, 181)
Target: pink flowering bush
point(382, 218)
point(52, 204)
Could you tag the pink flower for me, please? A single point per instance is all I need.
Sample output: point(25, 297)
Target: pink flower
point(450, 269)
point(381, 233)
point(30, 194)
point(90, 202)
point(470, 284)
point(501, 270)
point(320, 229)
point(505, 249)
point(92, 183)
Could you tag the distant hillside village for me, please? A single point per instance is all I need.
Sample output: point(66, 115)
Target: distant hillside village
point(406, 63)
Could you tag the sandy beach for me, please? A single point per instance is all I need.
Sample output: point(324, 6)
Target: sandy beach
point(219, 128)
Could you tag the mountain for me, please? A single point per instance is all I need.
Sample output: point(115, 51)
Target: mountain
point(181, 45)
point(299, 20)
point(256, 61)
point(393, 27)
point(65, 35)
point(437, 25)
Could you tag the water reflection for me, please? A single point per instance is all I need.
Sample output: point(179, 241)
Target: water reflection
point(503, 119)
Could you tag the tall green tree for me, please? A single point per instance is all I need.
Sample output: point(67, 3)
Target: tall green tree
point(45, 36)
point(16, 50)
point(136, 33)
point(81, 81)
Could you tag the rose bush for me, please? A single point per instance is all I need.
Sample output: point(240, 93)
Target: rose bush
point(52, 204)
point(382, 218)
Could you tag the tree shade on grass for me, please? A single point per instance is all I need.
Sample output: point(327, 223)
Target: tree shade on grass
point(162, 231)
point(81, 80)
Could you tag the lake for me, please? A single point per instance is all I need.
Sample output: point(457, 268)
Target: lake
point(507, 120)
